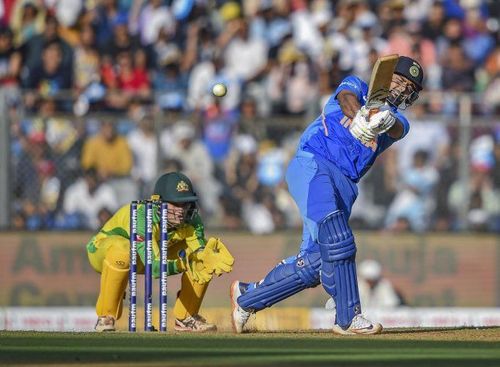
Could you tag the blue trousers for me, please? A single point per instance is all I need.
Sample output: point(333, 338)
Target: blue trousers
point(319, 188)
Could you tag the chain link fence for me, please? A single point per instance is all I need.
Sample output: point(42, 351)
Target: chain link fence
point(63, 171)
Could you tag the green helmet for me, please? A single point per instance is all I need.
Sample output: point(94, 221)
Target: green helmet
point(175, 187)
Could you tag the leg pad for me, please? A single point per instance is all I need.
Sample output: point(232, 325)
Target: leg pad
point(338, 267)
point(285, 280)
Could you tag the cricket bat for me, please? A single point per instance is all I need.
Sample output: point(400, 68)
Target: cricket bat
point(380, 81)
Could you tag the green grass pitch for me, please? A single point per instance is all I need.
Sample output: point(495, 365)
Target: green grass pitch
point(397, 347)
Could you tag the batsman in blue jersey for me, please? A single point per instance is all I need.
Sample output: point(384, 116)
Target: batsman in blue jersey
point(334, 152)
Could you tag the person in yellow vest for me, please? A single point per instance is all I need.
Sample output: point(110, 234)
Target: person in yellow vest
point(189, 253)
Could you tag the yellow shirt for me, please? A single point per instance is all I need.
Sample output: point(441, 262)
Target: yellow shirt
point(192, 234)
point(111, 158)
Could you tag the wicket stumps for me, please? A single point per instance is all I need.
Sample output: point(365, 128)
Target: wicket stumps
point(149, 206)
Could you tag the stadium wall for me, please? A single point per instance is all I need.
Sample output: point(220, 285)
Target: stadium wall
point(51, 269)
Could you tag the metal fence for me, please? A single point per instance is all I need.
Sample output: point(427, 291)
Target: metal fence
point(40, 155)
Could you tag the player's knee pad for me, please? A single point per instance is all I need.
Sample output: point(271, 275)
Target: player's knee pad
point(335, 237)
point(285, 280)
point(118, 258)
point(338, 267)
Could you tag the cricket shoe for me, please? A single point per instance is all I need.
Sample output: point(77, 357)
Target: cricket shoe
point(359, 326)
point(195, 323)
point(239, 316)
point(105, 323)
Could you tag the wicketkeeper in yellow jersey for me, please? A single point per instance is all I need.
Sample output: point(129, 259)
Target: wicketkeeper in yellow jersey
point(189, 253)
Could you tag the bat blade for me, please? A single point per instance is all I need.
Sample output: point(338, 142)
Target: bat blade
point(380, 81)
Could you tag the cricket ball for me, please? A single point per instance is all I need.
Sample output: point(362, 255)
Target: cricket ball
point(219, 90)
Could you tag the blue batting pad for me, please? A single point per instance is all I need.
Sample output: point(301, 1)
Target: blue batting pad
point(338, 267)
point(286, 279)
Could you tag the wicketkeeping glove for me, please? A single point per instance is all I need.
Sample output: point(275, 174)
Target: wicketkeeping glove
point(194, 266)
point(216, 257)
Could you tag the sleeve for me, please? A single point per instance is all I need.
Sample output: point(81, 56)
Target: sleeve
point(353, 84)
point(199, 230)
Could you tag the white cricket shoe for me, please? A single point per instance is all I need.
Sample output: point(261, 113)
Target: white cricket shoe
point(105, 323)
point(239, 316)
point(359, 326)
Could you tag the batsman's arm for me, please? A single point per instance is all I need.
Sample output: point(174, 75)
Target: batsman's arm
point(400, 128)
point(349, 103)
point(396, 131)
point(349, 94)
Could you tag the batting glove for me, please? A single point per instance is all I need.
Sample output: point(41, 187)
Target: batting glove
point(382, 121)
point(360, 127)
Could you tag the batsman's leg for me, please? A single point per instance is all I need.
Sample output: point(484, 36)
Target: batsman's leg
point(286, 279)
point(338, 275)
point(289, 277)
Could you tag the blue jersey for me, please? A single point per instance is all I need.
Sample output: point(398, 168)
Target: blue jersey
point(328, 136)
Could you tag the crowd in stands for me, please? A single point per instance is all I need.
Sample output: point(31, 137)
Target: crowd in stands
point(91, 88)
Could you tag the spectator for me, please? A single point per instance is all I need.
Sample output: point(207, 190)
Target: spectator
point(241, 169)
point(50, 78)
point(144, 146)
point(110, 155)
point(50, 189)
point(34, 48)
point(291, 86)
point(492, 82)
point(170, 83)
point(121, 40)
point(257, 216)
point(10, 59)
point(432, 26)
point(128, 80)
point(26, 180)
point(196, 163)
point(204, 75)
point(154, 16)
point(86, 198)
point(479, 197)
point(26, 21)
point(219, 125)
point(107, 14)
point(376, 291)
point(413, 205)
point(458, 73)
point(269, 24)
point(86, 60)
point(427, 134)
point(245, 57)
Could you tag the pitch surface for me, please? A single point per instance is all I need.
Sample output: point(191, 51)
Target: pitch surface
point(396, 347)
